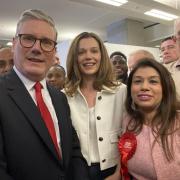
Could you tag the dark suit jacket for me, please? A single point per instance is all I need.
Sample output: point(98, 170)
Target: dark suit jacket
point(26, 149)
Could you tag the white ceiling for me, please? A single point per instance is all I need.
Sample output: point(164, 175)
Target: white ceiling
point(75, 16)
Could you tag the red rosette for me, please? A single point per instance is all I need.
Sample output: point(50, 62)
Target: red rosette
point(127, 147)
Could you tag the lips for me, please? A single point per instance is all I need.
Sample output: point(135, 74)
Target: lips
point(88, 64)
point(35, 59)
point(144, 97)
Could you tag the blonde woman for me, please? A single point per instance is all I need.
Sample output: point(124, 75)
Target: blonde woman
point(96, 102)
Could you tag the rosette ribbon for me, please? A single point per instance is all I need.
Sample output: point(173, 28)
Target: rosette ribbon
point(127, 147)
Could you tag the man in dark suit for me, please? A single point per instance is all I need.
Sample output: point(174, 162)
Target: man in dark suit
point(27, 149)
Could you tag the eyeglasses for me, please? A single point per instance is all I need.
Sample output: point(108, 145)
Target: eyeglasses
point(28, 41)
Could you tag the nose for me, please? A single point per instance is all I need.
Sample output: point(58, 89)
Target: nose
point(88, 55)
point(165, 51)
point(37, 47)
point(52, 79)
point(7, 67)
point(145, 86)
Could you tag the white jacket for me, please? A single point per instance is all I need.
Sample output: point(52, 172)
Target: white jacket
point(109, 110)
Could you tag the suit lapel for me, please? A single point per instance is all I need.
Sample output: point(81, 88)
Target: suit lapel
point(21, 97)
point(61, 113)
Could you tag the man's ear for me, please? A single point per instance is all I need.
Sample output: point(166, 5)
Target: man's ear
point(13, 44)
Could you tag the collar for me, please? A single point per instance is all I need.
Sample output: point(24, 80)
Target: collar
point(178, 63)
point(27, 82)
point(106, 89)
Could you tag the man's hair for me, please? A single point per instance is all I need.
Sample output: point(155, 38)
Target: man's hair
point(35, 14)
point(61, 68)
point(6, 49)
point(145, 52)
point(118, 53)
point(168, 38)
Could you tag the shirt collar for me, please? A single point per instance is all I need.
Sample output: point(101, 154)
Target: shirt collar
point(178, 63)
point(106, 89)
point(27, 82)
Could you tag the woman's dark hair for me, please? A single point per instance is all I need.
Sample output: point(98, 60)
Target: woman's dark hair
point(163, 123)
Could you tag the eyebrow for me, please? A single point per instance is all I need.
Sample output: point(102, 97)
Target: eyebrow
point(155, 76)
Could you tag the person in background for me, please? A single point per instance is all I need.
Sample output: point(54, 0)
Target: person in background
point(6, 60)
point(152, 126)
point(37, 140)
point(169, 50)
point(56, 60)
point(119, 62)
point(56, 76)
point(96, 102)
point(174, 67)
point(136, 56)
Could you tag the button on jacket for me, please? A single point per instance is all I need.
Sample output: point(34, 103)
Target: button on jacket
point(109, 110)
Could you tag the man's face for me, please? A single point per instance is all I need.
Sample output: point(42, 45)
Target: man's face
point(177, 34)
point(169, 51)
point(119, 66)
point(6, 61)
point(33, 62)
point(56, 77)
point(134, 59)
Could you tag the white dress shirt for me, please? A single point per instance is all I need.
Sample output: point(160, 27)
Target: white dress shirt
point(46, 97)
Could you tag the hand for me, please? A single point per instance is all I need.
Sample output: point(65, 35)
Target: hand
point(115, 176)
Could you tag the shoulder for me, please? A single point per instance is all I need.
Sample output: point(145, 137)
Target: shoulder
point(120, 87)
point(58, 94)
point(171, 66)
point(126, 119)
point(121, 90)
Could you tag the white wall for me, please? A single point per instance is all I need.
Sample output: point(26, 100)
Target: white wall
point(128, 49)
point(62, 50)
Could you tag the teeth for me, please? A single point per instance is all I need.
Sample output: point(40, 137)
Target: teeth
point(89, 64)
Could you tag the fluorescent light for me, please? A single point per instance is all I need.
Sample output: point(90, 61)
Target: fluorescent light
point(9, 44)
point(113, 2)
point(161, 14)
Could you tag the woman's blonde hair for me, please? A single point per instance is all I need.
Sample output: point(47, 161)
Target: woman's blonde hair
point(104, 75)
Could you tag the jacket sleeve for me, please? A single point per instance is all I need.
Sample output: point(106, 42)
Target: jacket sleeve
point(79, 165)
point(78, 168)
point(3, 163)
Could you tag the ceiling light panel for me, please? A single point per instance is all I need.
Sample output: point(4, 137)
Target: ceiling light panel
point(113, 2)
point(161, 14)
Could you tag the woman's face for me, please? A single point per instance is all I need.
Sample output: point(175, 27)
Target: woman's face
point(146, 89)
point(89, 56)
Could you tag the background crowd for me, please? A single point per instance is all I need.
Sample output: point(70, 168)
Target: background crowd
point(68, 124)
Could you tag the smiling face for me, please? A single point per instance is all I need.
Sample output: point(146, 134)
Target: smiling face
point(89, 57)
point(146, 89)
point(119, 66)
point(34, 62)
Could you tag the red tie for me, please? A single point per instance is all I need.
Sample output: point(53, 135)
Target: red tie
point(46, 115)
